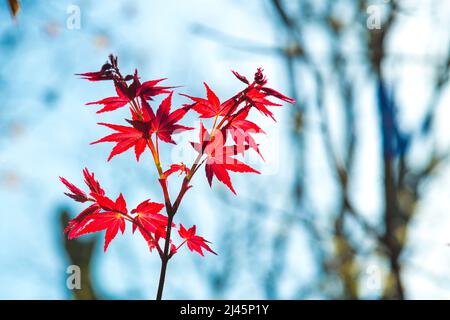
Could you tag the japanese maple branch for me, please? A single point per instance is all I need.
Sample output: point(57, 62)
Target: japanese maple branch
point(164, 255)
point(140, 226)
point(172, 209)
point(145, 131)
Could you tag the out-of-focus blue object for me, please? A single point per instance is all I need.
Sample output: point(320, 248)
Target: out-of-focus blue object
point(394, 141)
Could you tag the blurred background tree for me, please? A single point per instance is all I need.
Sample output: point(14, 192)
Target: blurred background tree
point(350, 41)
point(80, 253)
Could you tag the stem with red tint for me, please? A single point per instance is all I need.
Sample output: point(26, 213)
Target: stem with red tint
point(172, 209)
point(165, 257)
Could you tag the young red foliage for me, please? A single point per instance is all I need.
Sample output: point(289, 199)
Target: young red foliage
point(107, 71)
point(112, 103)
point(220, 157)
point(210, 107)
point(194, 242)
point(147, 128)
point(125, 138)
point(241, 129)
point(109, 215)
point(76, 223)
point(75, 193)
point(149, 221)
point(149, 89)
point(256, 93)
point(164, 123)
point(109, 221)
point(182, 168)
point(94, 185)
point(240, 77)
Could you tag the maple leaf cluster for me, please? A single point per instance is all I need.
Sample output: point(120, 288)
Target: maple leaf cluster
point(105, 214)
point(230, 135)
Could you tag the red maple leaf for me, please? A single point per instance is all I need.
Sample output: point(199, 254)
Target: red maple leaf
point(164, 123)
point(219, 157)
point(240, 77)
point(75, 193)
point(150, 221)
point(173, 249)
point(94, 185)
point(109, 221)
point(257, 99)
point(125, 92)
point(76, 223)
point(149, 89)
point(112, 220)
point(194, 242)
point(107, 72)
point(256, 93)
point(182, 168)
point(276, 94)
point(78, 195)
point(108, 204)
point(95, 76)
point(112, 103)
point(241, 129)
point(210, 107)
point(125, 138)
point(146, 90)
